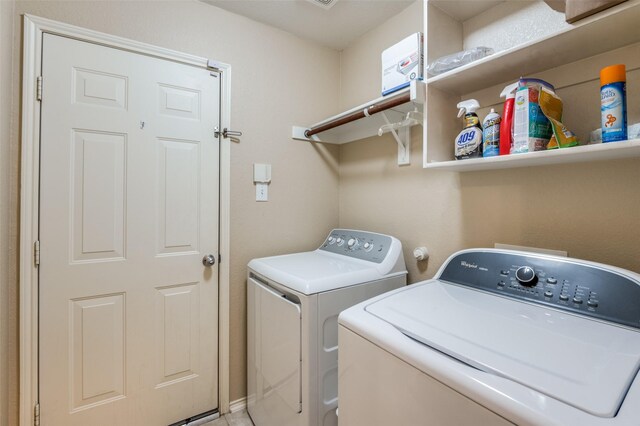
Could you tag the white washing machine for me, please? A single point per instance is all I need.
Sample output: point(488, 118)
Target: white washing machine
point(496, 338)
point(293, 302)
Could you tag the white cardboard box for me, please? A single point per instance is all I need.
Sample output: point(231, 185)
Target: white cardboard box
point(401, 63)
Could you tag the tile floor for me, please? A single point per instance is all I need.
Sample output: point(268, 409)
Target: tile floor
point(239, 418)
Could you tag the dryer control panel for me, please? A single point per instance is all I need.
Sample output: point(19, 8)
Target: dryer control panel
point(568, 284)
point(359, 244)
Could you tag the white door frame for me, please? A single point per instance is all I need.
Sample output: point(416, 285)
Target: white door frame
point(34, 27)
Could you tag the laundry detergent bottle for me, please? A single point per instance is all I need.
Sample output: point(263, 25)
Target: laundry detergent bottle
point(469, 141)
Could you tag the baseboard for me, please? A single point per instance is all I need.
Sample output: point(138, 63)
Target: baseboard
point(238, 405)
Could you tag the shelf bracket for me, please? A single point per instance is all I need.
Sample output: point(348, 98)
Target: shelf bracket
point(403, 138)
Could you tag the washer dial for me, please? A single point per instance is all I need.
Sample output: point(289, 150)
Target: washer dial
point(352, 243)
point(526, 276)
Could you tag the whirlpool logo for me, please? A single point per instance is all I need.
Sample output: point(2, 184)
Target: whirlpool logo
point(469, 265)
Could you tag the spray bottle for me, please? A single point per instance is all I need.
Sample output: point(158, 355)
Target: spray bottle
point(506, 137)
point(469, 140)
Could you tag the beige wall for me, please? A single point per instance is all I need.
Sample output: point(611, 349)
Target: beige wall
point(360, 64)
point(278, 80)
point(8, 292)
point(590, 210)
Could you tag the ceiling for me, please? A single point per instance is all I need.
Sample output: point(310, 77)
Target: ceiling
point(335, 27)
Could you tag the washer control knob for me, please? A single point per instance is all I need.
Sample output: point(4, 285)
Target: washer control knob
point(331, 240)
point(352, 243)
point(526, 276)
point(339, 241)
point(367, 246)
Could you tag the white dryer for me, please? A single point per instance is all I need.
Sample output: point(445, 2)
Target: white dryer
point(293, 302)
point(496, 338)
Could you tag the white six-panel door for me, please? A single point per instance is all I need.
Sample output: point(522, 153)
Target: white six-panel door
point(128, 208)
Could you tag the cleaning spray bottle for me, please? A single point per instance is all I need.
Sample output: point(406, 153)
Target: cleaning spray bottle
point(491, 134)
point(506, 138)
point(469, 141)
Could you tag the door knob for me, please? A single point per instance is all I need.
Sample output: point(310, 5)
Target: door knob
point(209, 260)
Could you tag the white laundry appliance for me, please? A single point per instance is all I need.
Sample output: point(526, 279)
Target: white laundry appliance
point(293, 302)
point(497, 337)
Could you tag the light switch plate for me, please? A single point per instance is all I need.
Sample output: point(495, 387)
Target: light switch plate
point(262, 192)
point(262, 173)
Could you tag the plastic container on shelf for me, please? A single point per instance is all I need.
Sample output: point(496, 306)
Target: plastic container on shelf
point(458, 59)
point(531, 128)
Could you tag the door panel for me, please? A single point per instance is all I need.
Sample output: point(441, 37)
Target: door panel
point(99, 195)
point(178, 195)
point(97, 350)
point(129, 206)
point(178, 333)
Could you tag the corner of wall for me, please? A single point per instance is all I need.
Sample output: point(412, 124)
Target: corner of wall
point(8, 404)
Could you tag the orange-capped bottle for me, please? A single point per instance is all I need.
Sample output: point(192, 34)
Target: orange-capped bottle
point(613, 103)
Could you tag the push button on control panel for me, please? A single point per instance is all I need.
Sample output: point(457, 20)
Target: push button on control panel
point(552, 280)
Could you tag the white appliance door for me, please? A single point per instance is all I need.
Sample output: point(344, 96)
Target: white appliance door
point(587, 364)
point(278, 330)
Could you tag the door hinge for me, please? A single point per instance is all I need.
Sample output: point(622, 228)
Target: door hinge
point(213, 65)
point(36, 253)
point(36, 414)
point(39, 88)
